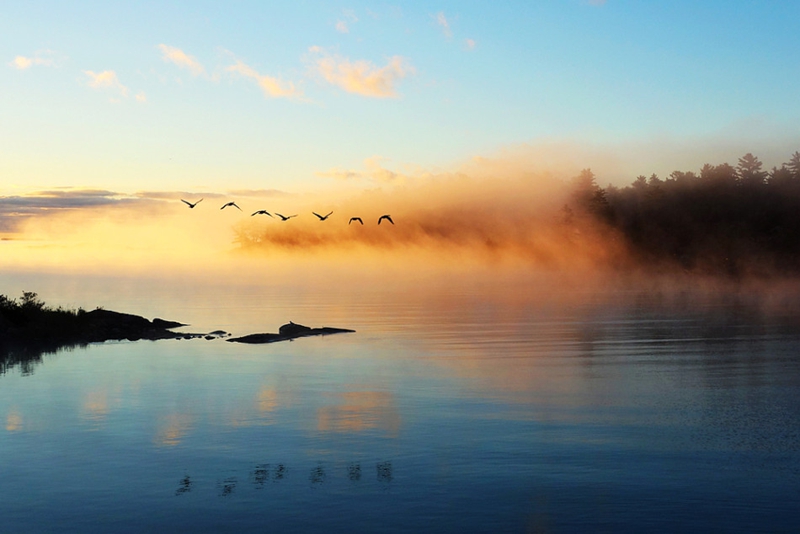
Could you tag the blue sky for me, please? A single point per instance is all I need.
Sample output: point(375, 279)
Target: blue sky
point(193, 96)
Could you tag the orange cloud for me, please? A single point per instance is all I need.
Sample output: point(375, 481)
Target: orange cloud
point(362, 77)
point(106, 80)
point(180, 58)
point(373, 170)
point(23, 63)
point(272, 87)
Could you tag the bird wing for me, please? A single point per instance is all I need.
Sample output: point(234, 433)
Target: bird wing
point(318, 215)
point(187, 203)
point(235, 206)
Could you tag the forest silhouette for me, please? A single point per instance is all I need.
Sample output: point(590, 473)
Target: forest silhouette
point(726, 220)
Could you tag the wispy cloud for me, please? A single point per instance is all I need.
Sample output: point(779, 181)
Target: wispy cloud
point(361, 77)
point(170, 54)
point(15, 209)
point(40, 59)
point(470, 44)
point(141, 97)
point(442, 21)
point(373, 170)
point(106, 80)
point(271, 86)
point(348, 17)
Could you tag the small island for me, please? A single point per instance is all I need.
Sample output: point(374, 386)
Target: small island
point(288, 332)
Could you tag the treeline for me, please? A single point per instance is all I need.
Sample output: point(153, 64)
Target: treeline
point(725, 219)
point(29, 328)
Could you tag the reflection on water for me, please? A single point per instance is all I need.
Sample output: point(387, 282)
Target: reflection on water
point(184, 486)
point(357, 411)
point(454, 407)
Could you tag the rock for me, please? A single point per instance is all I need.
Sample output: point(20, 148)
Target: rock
point(288, 332)
point(292, 329)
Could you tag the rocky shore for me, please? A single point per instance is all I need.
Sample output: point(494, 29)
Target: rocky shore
point(28, 329)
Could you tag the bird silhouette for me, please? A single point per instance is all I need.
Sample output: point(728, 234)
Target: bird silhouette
point(356, 219)
point(262, 212)
point(284, 217)
point(387, 217)
point(190, 204)
point(321, 217)
point(231, 204)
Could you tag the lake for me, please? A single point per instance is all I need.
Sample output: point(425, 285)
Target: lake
point(461, 404)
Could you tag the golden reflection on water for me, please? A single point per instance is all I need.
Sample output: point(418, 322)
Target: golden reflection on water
point(357, 411)
point(172, 429)
point(95, 406)
point(267, 400)
point(13, 421)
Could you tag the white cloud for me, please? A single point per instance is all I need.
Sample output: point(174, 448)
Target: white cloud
point(341, 27)
point(272, 87)
point(181, 59)
point(442, 21)
point(141, 97)
point(106, 80)
point(362, 77)
point(470, 44)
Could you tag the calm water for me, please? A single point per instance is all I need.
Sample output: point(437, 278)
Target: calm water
point(453, 409)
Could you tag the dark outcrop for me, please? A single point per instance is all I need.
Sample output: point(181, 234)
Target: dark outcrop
point(30, 329)
point(99, 325)
point(288, 332)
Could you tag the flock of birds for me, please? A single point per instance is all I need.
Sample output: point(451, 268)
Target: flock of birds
point(287, 217)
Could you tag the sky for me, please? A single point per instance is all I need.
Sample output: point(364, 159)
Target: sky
point(108, 102)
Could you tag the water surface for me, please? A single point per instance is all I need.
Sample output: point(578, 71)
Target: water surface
point(455, 407)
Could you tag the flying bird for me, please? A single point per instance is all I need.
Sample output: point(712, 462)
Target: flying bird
point(321, 218)
point(284, 217)
point(356, 219)
point(231, 204)
point(190, 204)
point(262, 212)
point(387, 217)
